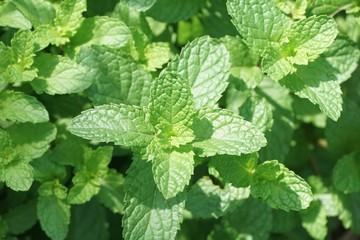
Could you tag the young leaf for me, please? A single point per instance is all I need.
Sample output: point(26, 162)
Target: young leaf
point(171, 101)
point(207, 200)
point(148, 215)
point(52, 211)
point(221, 132)
point(17, 175)
point(157, 54)
point(317, 83)
point(205, 63)
point(346, 173)
point(11, 16)
point(38, 12)
point(140, 5)
point(349, 211)
point(60, 75)
point(102, 30)
point(172, 169)
point(32, 140)
point(280, 188)
point(122, 124)
point(17, 106)
point(259, 22)
point(236, 170)
point(314, 220)
point(117, 78)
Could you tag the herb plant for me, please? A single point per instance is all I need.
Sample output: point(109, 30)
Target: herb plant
point(180, 119)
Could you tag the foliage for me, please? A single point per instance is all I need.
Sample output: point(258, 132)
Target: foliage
point(180, 119)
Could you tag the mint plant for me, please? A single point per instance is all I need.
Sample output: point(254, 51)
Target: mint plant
point(179, 119)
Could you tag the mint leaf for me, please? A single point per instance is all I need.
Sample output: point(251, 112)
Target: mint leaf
point(256, 221)
point(117, 78)
point(112, 192)
point(60, 75)
point(52, 211)
point(157, 54)
point(346, 176)
point(207, 200)
point(38, 12)
point(221, 132)
point(32, 140)
point(17, 106)
point(47, 169)
point(11, 16)
point(314, 220)
point(279, 187)
point(123, 124)
point(205, 64)
point(68, 17)
point(259, 22)
point(172, 169)
point(87, 180)
point(326, 6)
point(236, 170)
point(170, 101)
point(317, 83)
point(21, 218)
point(101, 30)
point(349, 211)
point(148, 215)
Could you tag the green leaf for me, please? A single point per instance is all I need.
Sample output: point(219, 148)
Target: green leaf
point(303, 42)
point(140, 5)
point(170, 101)
point(38, 12)
point(346, 173)
point(280, 187)
point(85, 187)
point(222, 132)
point(259, 112)
point(122, 124)
point(157, 54)
point(205, 63)
point(349, 211)
point(60, 75)
point(314, 220)
point(318, 7)
point(175, 10)
point(47, 169)
point(148, 215)
point(343, 56)
point(259, 22)
point(17, 174)
point(112, 192)
point(87, 181)
point(172, 169)
point(236, 170)
point(21, 218)
point(69, 16)
point(256, 221)
point(317, 83)
point(207, 200)
point(17, 106)
point(11, 16)
point(102, 30)
point(52, 211)
point(32, 140)
point(117, 78)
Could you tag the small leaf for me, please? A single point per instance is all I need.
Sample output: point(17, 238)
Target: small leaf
point(140, 5)
point(122, 124)
point(172, 170)
point(314, 220)
point(17, 106)
point(60, 75)
point(222, 132)
point(17, 175)
point(280, 188)
point(148, 215)
point(205, 63)
point(236, 170)
point(11, 16)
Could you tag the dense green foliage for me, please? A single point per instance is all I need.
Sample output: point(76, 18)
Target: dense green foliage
point(179, 119)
